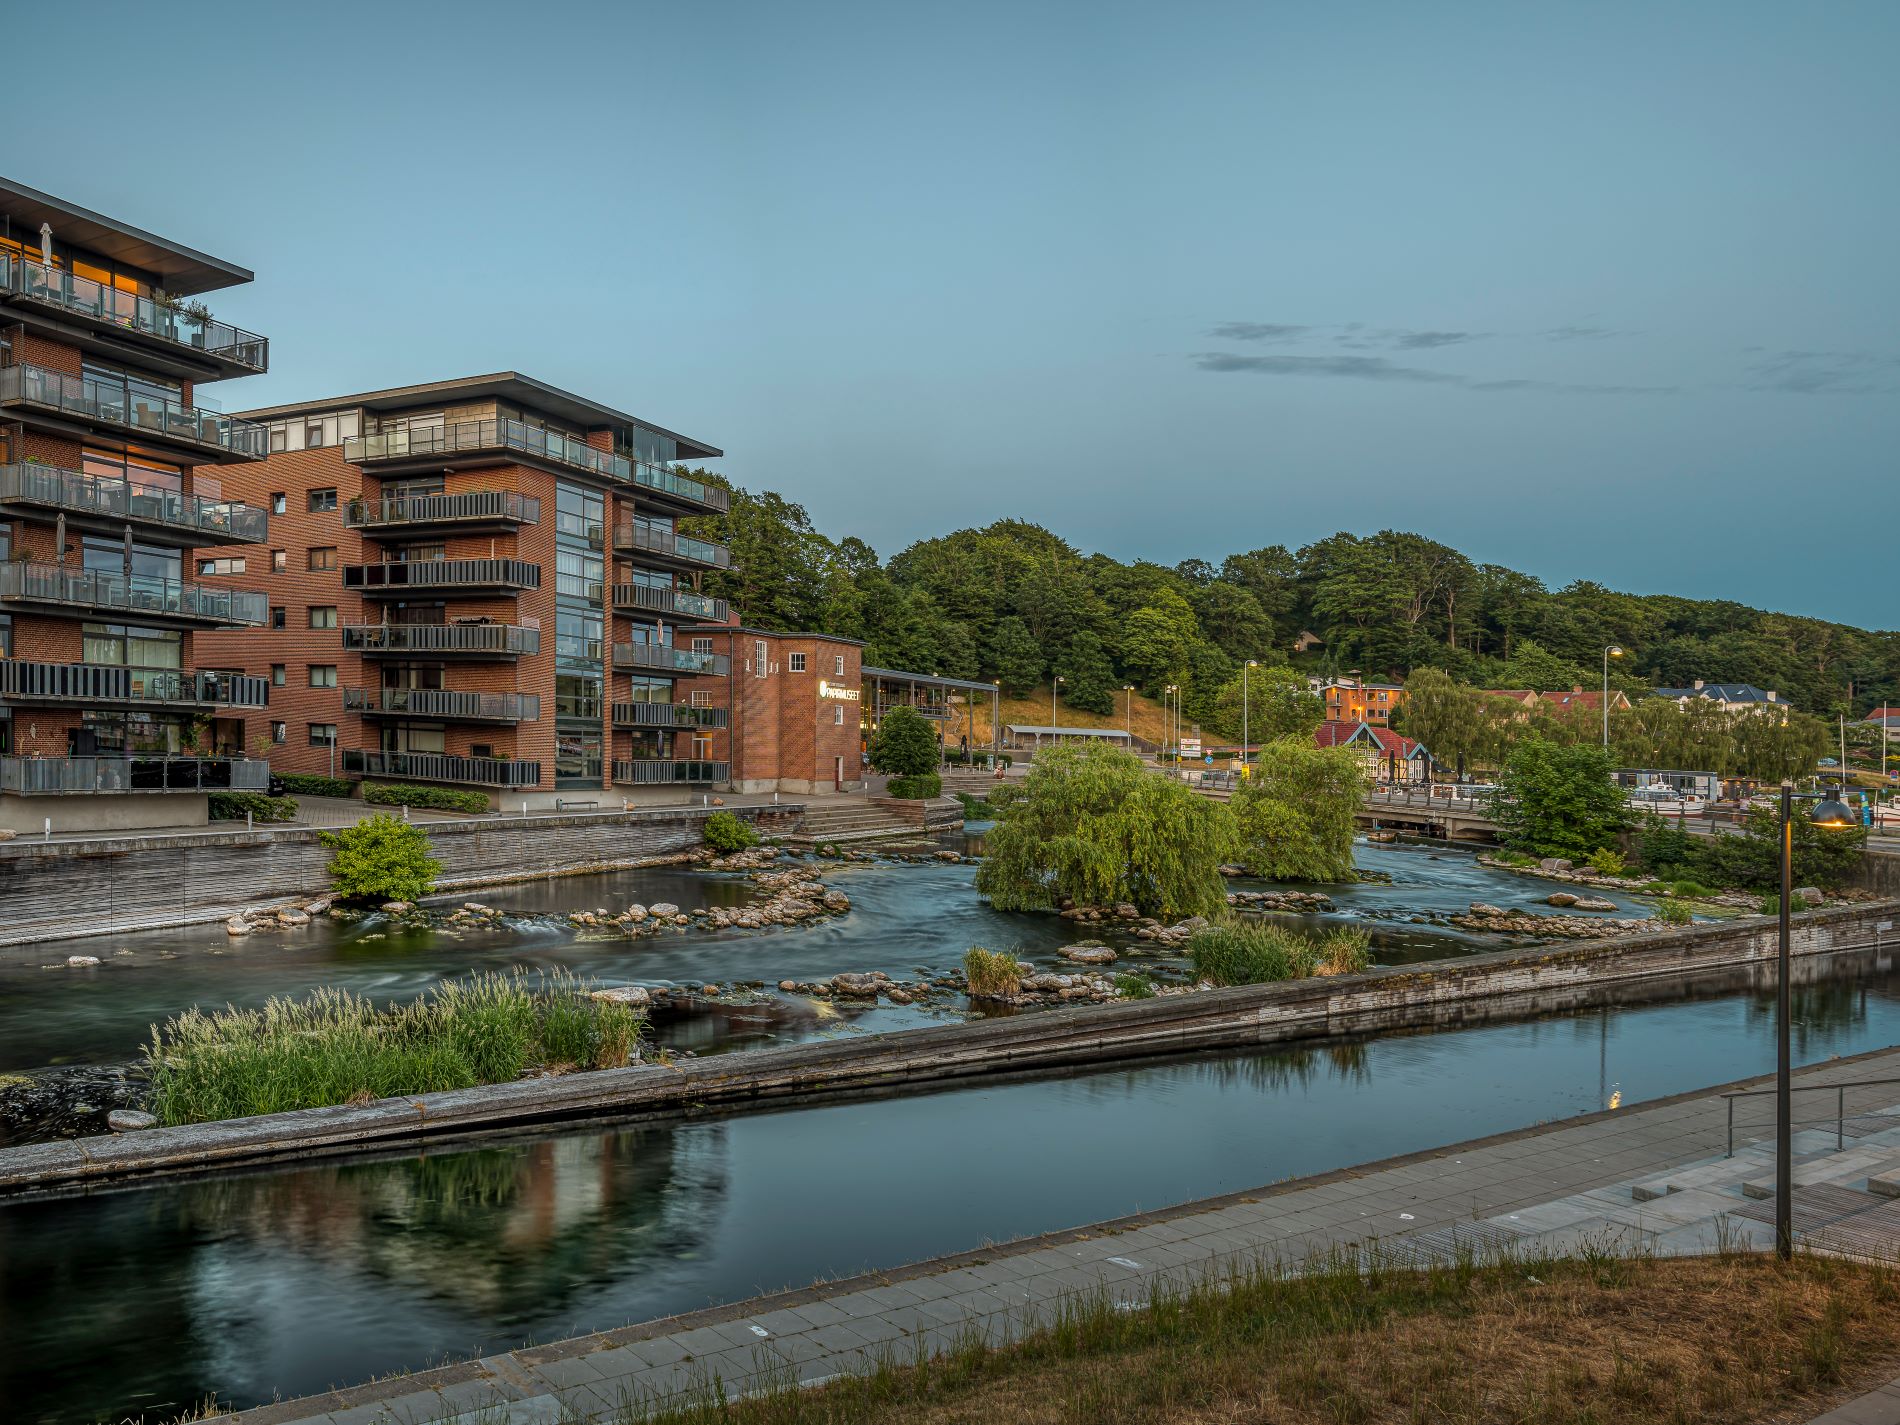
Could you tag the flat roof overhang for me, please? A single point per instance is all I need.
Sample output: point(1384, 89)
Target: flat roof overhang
point(500, 385)
point(184, 271)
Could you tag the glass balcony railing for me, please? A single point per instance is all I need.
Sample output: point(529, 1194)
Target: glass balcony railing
point(24, 277)
point(52, 487)
point(665, 715)
point(110, 404)
point(440, 767)
point(468, 507)
point(682, 602)
point(637, 539)
point(664, 771)
point(443, 574)
point(668, 659)
point(30, 681)
point(479, 437)
point(53, 776)
point(446, 703)
point(147, 594)
point(498, 640)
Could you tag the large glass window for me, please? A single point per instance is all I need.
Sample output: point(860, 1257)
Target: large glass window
point(107, 556)
point(651, 690)
point(577, 754)
point(578, 575)
point(132, 646)
point(577, 636)
point(579, 513)
point(578, 696)
point(134, 466)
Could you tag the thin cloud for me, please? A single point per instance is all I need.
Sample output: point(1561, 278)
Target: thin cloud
point(1826, 373)
point(1425, 341)
point(1258, 331)
point(1378, 368)
point(1579, 333)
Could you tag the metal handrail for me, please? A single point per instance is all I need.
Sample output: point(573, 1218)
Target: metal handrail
point(444, 703)
point(28, 776)
point(667, 715)
point(503, 638)
point(681, 546)
point(666, 657)
point(114, 683)
point(442, 574)
point(130, 593)
point(146, 315)
point(443, 509)
point(29, 482)
point(673, 601)
point(1840, 1106)
point(442, 767)
point(666, 771)
point(112, 405)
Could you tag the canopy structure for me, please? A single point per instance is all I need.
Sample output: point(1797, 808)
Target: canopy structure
point(930, 695)
point(1031, 735)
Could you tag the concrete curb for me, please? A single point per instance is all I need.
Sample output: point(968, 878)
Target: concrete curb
point(1502, 984)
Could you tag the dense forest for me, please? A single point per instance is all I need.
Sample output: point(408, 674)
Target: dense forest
point(1014, 602)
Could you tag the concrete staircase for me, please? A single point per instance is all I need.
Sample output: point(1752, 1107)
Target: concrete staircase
point(848, 823)
point(971, 783)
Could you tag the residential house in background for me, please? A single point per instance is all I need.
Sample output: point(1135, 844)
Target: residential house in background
point(481, 582)
point(1730, 697)
point(123, 540)
point(1388, 756)
point(1351, 701)
point(1588, 700)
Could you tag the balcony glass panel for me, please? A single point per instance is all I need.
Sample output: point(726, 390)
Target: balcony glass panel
point(86, 298)
point(108, 404)
point(665, 656)
point(148, 594)
point(469, 506)
point(83, 494)
point(42, 776)
point(665, 771)
point(440, 767)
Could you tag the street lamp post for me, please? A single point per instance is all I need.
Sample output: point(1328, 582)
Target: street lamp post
point(1831, 815)
point(1245, 741)
point(1608, 653)
point(1052, 699)
point(1128, 713)
point(1167, 719)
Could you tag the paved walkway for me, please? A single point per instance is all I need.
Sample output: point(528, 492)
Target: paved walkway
point(1654, 1177)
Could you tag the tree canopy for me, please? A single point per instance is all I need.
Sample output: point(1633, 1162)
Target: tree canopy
point(1558, 801)
point(1295, 812)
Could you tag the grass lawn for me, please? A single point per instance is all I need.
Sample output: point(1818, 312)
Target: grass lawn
point(1576, 1341)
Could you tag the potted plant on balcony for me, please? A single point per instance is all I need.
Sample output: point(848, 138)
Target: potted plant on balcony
point(199, 315)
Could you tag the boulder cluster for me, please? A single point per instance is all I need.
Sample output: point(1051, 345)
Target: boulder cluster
point(1145, 927)
point(873, 985)
point(1496, 920)
point(266, 918)
point(1300, 902)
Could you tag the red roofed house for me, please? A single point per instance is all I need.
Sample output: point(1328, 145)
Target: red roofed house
point(1590, 699)
point(1388, 756)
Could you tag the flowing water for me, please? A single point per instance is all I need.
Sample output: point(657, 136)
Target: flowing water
point(294, 1279)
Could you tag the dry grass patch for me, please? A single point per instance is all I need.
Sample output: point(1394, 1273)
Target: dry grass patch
point(1583, 1341)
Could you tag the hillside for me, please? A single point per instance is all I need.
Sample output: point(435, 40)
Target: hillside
point(1148, 721)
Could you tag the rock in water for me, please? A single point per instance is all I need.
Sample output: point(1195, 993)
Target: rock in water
point(129, 1120)
point(636, 995)
point(80, 960)
point(1593, 903)
point(1560, 898)
point(1089, 954)
point(663, 908)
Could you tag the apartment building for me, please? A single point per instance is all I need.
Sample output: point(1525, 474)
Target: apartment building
point(117, 494)
point(1350, 700)
point(479, 583)
point(794, 703)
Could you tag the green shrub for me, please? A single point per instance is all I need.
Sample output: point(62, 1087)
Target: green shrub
point(1674, 913)
point(1239, 952)
point(1771, 905)
point(991, 974)
point(232, 806)
point(904, 745)
point(1606, 862)
point(403, 794)
point(334, 1047)
point(1691, 890)
point(1134, 987)
point(975, 808)
point(1514, 858)
point(381, 859)
point(727, 833)
point(304, 786)
point(916, 789)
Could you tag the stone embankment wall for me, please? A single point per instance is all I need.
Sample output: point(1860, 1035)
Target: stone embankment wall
point(1879, 872)
point(67, 888)
point(1506, 984)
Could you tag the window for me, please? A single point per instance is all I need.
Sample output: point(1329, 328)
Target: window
point(280, 732)
point(323, 616)
point(837, 665)
point(701, 698)
point(276, 617)
point(323, 675)
point(323, 558)
point(578, 575)
point(837, 715)
point(313, 435)
point(797, 664)
point(277, 675)
point(277, 502)
point(702, 645)
point(279, 561)
point(322, 500)
point(758, 657)
point(221, 566)
point(322, 734)
point(6, 635)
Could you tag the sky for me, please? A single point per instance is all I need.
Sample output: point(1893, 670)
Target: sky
point(1598, 291)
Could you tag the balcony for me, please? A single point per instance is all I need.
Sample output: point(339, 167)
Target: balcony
point(198, 338)
point(659, 545)
point(431, 446)
point(682, 603)
point(442, 704)
point(667, 715)
point(441, 640)
point(148, 597)
point(665, 658)
point(22, 680)
point(101, 403)
point(470, 512)
point(48, 487)
point(440, 767)
point(664, 772)
point(61, 776)
point(472, 576)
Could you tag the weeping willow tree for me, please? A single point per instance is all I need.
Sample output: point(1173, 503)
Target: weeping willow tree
point(1097, 828)
point(1295, 812)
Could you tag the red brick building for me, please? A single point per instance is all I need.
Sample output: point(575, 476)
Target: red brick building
point(113, 711)
point(479, 583)
point(795, 704)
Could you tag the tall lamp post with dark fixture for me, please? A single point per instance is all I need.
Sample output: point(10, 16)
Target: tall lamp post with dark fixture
point(1244, 742)
point(1831, 815)
point(1611, 652)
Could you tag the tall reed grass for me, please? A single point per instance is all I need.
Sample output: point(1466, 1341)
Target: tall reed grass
point(1241, 952)
point(332, 1047)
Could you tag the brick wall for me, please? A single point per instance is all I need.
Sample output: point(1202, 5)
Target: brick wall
point(784, 732)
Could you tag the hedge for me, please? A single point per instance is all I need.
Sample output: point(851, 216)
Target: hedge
point(403, 794)
point(317, 786)
point(231, 806)
point(916, 789)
